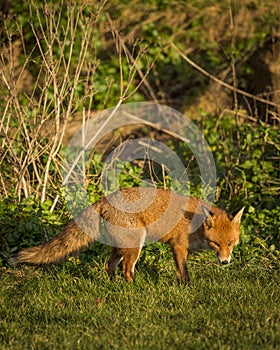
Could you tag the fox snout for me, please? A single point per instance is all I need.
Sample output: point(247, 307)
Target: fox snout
point(224, 259)
point(224, 262)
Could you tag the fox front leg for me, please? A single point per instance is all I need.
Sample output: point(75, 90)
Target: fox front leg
point(130, 257)
point(180, 255)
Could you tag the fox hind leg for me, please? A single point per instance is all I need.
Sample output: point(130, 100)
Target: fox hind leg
point(114, 260)
point(128, 256)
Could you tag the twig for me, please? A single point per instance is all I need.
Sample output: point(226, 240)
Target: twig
point(218, 81)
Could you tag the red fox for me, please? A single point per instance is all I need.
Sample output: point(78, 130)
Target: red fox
point(185, 223)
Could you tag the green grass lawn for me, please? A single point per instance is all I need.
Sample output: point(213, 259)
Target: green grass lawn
point(77, 307)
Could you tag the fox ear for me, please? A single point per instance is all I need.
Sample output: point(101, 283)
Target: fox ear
point(237, 218)
point(208, 216)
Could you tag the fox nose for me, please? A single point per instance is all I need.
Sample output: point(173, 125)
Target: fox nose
point(224, 262)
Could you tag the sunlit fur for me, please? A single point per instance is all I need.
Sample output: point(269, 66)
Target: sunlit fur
point(197, 225)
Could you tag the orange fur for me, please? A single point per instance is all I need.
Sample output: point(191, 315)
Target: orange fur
point(135, 215)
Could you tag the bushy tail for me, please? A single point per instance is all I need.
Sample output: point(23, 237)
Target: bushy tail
point(78, 234)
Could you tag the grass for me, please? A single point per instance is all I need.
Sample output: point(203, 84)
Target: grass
point(77, 307)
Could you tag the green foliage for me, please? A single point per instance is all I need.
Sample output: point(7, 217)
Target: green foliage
point(247, 175)
point(247, 162)
point(247, 159)
point(26, 224)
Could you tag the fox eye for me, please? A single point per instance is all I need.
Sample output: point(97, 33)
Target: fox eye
point(230, 244)
point(215, 243)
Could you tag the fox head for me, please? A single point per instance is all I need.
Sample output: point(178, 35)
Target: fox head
point(221, 232)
